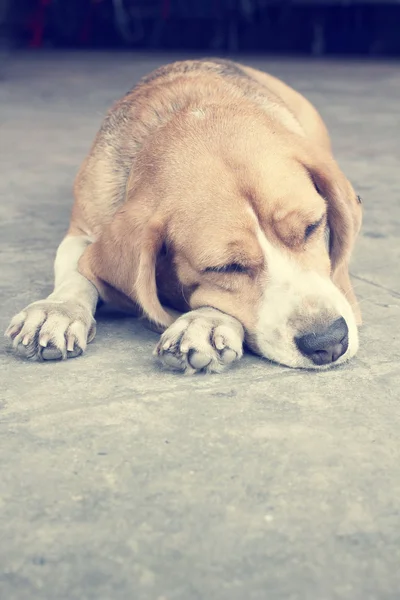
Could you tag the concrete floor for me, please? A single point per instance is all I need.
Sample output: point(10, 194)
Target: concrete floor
point(120, 481)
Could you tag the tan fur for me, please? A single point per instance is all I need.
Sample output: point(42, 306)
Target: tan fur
point(185, 172)
point(156, 160)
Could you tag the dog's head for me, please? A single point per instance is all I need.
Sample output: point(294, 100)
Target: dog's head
point(242, 210)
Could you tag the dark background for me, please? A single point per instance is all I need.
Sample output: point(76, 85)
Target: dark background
point(306, 27)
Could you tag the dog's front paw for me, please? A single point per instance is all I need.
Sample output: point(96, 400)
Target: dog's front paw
point(203, 340)
point(51, 330)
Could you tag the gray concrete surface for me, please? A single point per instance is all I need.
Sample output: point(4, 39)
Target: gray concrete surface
point(120, 481)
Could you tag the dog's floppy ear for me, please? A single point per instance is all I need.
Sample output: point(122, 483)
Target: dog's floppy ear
point(344, 221)
point(121, 263)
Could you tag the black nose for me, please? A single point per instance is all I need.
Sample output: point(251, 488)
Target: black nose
point(324, 347)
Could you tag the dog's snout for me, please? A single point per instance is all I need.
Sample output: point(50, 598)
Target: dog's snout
point(324, 347)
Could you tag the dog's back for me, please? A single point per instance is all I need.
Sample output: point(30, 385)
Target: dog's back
point(100, 186)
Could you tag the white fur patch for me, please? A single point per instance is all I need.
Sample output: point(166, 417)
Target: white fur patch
point(200, 113)
point(61, 325)
point(68, 254)
point(295, 302)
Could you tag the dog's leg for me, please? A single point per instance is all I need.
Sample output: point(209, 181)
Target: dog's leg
point(61, 325)
point(205, 340)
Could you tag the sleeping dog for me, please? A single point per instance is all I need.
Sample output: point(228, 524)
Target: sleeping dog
point(208, 190)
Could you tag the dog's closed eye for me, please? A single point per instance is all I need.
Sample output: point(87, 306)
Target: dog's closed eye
point(310, 229)
point(229, 268)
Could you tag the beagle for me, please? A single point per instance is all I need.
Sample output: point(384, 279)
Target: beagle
point(208, 190)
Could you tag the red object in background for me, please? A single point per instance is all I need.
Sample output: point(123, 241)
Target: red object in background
point(37, 24)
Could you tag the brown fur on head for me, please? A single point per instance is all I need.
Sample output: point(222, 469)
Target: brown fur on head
point(224, 197)
point(344, 219)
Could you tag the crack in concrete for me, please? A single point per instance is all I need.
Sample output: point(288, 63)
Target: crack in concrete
point(393, 293)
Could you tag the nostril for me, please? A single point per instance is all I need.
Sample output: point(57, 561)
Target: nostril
point(339, 349)
point(321, 357)
point(326, 346)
